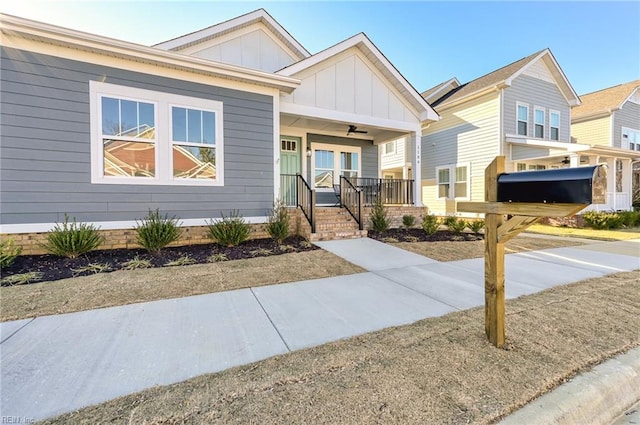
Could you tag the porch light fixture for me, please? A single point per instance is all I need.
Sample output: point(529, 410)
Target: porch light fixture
point(308, 152)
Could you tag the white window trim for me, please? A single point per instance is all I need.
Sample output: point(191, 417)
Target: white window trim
point(452, 181)
point(164, 144)
point(393, 151)
point(553, 111)
point(518, 118)
point(622, 141)
point(336, 161)
point(543, 123)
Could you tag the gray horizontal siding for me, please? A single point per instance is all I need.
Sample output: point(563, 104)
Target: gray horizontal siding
point(45, 147)
point(535, 92)
point(627, 116)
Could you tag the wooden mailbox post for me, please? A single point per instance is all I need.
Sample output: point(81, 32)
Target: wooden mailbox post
point(544, 196)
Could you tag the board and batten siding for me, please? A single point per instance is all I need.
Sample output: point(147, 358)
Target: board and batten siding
point(466, 134)
point(45, 168)
point(535, 92)
point(593, 132)
point(627, 116)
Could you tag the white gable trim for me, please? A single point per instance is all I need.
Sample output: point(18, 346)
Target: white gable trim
point(233, 25)
point(390, 73)
point(28, 30)
point(453, 83)
point(630, 98)
point(568, 92)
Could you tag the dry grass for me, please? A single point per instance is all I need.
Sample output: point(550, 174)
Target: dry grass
point(606, 235)
point(436, 371)
point(454, 251)
point(132, 286)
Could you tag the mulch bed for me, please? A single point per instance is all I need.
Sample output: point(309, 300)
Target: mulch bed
point(419, 235)
point(54, 268)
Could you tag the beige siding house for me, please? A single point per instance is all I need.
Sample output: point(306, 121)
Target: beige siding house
point(521, 111)
point(609, 121)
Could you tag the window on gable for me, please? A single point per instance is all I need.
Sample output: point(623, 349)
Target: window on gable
point(538, 121)
point(554, 125)
point(145, 137)
point(523, 119)
point(630, 139)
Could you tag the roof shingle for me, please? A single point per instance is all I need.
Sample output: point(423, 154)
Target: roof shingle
point(605, 100)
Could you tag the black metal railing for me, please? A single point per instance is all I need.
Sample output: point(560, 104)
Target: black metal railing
point(289, 189)
point(388, 191)
point(306, 200)
point(352, 199)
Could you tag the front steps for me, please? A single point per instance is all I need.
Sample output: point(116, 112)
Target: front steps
point(335, 223)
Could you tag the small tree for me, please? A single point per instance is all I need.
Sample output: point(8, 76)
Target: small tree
point(379, 220)
point(278, 224)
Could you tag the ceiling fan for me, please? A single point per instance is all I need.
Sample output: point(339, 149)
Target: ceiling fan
point(565, 161)
point(354, 129)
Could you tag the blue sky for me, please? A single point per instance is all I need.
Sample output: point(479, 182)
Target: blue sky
point(597, 44)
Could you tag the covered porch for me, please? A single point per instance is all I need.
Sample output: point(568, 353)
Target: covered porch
point(540, 155)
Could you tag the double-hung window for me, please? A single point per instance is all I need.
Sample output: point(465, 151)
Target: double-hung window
point(329, 162)
point(390, 148)
point(630, 139)
point(538, 122)
point(453, 181)
point(522, 119)
point(554, 125)
point(146, 137)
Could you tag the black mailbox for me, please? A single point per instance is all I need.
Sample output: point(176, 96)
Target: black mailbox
point(581, 185)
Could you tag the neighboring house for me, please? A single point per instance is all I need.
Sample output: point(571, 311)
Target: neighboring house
point(521, 111)
point(610, 118)
point(104, 130)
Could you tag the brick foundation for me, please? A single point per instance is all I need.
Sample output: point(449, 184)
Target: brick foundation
point(575, 221)
point(126, 238)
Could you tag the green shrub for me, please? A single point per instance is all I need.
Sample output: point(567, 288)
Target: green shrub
point(601, 220)
point(449, 220)
point(430, 224)
point(231, 230)
point(379, 220)
point(8, 252)
point(155, 231)
point(630, 218)
point(72, 239)
point(458, 225)
point(476, 226)
point(278, 224)
point(408, 221)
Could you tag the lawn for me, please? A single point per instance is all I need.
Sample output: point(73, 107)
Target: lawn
point(436, 371)
point(607, 235)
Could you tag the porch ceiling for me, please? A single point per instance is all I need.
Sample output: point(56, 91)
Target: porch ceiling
point(337, 128)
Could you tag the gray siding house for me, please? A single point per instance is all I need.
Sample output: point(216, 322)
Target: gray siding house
point(609, 119)
point(522, 111)
point(104, 130)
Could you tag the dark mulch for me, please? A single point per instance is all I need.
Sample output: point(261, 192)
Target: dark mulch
point(53, 267)
point(419, 235)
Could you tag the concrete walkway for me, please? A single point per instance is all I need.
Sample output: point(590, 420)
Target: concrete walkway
point(55, 364)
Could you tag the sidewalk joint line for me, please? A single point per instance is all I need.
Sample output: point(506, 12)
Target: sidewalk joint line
point(17, 330)
point(271, 321)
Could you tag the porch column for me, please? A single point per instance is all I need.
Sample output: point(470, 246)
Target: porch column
point(416, 138)
point(611, 183)
point(574, 161)
point(626, 183)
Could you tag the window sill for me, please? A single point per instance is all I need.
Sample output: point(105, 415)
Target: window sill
point(157, 182)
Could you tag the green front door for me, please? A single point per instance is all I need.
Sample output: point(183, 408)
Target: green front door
point(290, 165)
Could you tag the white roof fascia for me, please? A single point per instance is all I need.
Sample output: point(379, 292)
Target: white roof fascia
point(446, 84)
point(212, 31)
point(572, 98)
point(610, 151)
point(627, 98)
point(361, 40)
point(569, 147)
point(13, 25)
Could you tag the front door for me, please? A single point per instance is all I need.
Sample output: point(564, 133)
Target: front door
point(290, 165)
